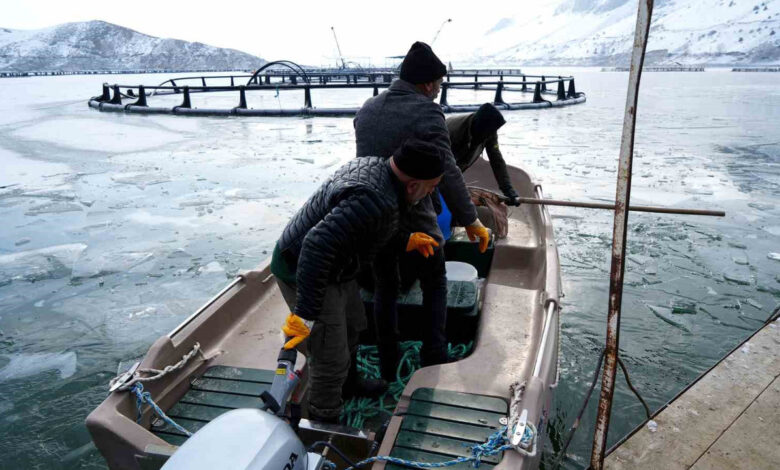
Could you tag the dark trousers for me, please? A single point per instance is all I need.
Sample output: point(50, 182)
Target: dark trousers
point(433, 282)
point(333, 337)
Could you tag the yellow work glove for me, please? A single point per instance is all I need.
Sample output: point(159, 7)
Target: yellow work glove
point(297, 329)
point(422, 242)
point(477, 230)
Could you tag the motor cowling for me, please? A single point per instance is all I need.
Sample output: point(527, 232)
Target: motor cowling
point(243, 439)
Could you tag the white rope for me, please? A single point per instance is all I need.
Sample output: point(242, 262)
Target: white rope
point(158, 374)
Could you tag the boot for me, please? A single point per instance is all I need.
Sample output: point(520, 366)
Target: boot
point(388, 361)
point(329, 416)
point(357, 386)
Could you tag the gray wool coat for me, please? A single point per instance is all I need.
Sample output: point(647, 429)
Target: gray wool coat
point(400, 112)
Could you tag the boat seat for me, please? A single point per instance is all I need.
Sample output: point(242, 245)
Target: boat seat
point(441, 425)
point(219, 390)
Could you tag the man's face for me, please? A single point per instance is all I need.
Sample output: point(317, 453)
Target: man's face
point(416, 190)
point(436, 88)
point(430, 89)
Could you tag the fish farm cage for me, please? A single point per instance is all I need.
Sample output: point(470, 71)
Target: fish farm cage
point(260, 93)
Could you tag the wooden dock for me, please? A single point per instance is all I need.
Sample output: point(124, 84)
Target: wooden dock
point(728, 419)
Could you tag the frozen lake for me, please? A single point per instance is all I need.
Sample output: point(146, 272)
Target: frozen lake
point(115, 227)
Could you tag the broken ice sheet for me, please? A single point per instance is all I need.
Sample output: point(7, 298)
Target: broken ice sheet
point(83, 133)
point(94, 262)
point(212, 267)
point(54, 262)
point(56, 207)
point(23, 171)
point(738, 276)
point(141, 180)
point(246, 194)
point(30, 364)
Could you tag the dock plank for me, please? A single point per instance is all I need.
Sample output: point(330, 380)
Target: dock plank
point(690, 426)
point(752, 442)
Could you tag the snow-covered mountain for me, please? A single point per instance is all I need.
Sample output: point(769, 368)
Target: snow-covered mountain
point(600, 32)
point(97, 45)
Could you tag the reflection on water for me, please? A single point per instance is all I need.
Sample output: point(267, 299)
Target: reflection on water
point(118, 226)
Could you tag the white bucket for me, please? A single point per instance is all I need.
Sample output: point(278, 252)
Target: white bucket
point(459, 271)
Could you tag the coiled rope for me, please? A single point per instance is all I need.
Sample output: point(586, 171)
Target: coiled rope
point(357, 410)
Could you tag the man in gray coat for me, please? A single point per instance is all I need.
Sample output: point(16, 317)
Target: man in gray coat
point(407, 109)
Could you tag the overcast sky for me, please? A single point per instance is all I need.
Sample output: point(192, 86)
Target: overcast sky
point(293, 29)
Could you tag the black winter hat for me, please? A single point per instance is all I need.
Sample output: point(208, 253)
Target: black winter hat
point(419, 159)
point(486, 121)
point(421, 65)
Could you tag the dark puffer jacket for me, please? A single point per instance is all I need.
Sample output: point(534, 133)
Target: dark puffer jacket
point(340, 229)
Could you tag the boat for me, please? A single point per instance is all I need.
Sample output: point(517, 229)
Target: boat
point(223, 359)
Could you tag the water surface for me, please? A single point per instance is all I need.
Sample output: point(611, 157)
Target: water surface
point(116, 227)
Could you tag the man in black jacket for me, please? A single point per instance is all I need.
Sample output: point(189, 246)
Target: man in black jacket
point(350, 218)
point(406, 109)
point(471, 134)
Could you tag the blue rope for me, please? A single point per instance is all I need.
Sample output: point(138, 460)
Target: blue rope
point(146, 397)
point(495, 444)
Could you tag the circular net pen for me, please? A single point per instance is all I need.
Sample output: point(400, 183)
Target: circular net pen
point(298, 92)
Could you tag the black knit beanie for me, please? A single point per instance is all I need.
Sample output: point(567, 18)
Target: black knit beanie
point(419, 159)
point(421, 65)
point(487, 120)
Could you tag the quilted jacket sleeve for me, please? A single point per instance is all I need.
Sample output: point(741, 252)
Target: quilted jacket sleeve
point(361, 221)
point(452, 186)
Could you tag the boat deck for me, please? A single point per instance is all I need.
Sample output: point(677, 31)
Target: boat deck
point(729, 418)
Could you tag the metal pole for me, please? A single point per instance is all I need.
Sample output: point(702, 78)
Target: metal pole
point(341, 57)
point(448, 20)
point(597, 205)
point(622, 199)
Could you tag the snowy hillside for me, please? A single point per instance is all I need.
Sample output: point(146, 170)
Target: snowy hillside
point(600, 32)
point(97, 45)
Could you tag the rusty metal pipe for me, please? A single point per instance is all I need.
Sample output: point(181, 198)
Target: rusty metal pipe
point(622, 200)
point(596, 205)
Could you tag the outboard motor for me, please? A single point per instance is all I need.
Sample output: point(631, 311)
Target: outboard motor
point(244, 439)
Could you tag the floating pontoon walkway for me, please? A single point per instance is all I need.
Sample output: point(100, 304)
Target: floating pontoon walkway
point(728, 419)
point(667, 68)
point(560, 90)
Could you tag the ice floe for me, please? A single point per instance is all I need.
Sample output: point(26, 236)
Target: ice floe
point(52, 262)
point(29, 364)
point(84, 133)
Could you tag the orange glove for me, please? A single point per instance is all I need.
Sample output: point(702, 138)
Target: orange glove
point(477, 230)
point(422, 242)
point(297, 329)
